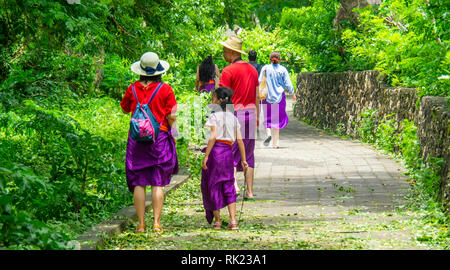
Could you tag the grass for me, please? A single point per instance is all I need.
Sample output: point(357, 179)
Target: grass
point(185, 228)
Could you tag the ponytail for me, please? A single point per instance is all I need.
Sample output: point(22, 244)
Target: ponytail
point(225, 94)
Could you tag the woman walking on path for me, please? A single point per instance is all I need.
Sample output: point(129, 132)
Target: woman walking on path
point(208, 75)
point(242, 78)
point(147, 163)
point(217, 183)
point(274, 106)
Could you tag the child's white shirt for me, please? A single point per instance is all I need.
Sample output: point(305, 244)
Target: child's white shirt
point(226, 125)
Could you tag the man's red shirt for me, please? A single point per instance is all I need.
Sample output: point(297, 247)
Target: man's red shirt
point(242, 78)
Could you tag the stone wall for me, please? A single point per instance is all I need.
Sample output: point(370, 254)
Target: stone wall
point(335, 101)
point(434, 134)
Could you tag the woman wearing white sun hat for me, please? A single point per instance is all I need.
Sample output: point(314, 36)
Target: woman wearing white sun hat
point(151, 164)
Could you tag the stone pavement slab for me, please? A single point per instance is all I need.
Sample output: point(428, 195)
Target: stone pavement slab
point(332, 186)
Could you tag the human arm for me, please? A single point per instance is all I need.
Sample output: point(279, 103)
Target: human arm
point(288, 85)
point(197, 79)
point(241, 146)
point(125, 104)
point(261, 74)
point(217, 78)
point(257, 101)
point(211, 142)
point(171, 119)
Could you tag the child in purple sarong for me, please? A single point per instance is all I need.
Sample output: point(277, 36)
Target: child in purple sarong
point(217, 183)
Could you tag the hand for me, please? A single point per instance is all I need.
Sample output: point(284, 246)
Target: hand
point(257, 122)
point(244, 165)
point(294, 98)
point(205, 159)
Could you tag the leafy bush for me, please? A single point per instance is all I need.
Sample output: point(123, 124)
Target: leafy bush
point(407, 41)
point(366, 127)
point(409, 144)
point(386, 137)
point(311, 29)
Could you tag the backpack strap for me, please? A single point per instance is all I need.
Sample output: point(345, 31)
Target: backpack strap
point(135, 96)
point(154, 93)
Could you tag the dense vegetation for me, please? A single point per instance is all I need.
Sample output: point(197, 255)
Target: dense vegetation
point(64, 66)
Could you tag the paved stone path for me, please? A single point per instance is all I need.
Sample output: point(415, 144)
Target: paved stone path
point(334, 187)
point(317, 191)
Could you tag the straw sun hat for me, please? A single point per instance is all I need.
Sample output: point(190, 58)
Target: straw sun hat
point(233, 43)
point(150, 65)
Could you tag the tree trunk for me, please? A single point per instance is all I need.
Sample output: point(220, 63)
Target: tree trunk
point(346, 7)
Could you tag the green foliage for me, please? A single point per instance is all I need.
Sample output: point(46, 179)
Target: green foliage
point(269, 11)
point(366, 127)
point(59, 164)
point(407, 41)
point(409, 144)
point(385, 134)
point(311, 29)
point(62, 133)
point(64, 68)
point(264, 42)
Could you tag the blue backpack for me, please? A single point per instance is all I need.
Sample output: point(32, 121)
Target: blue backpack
point(143, 124)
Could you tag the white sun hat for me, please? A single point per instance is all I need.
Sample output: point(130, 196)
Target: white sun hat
point(233, 43)
point(150, 65)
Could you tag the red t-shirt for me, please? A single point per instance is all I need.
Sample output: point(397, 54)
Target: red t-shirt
point(242, 78)
point(164, 103)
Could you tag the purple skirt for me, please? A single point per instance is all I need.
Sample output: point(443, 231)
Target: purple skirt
point(151, 164)
point(275, 115)
point(206, 88)
point(247, 120)
point(217, 183)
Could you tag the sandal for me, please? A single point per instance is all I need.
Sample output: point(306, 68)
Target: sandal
point(232, 226)
point(157, 228)
point(140, 229)
point(217, 225)
point(248, 199)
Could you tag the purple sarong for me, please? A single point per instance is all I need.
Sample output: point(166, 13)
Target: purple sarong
point(247, 120)
point(207, 87)
point(218, 180)
point(151, 164)
point(275, 115)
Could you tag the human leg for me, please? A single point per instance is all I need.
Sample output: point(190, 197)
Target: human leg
point(276, 134)
point(217, 222)
point(139, 204)
point(157, 202)
point(236, 184)
point(249, 176)
point(232, 212)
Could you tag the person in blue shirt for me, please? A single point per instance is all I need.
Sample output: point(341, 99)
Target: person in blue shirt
point(274, 106)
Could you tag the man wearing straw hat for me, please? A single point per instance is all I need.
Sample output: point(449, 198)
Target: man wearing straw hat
point(242, 78)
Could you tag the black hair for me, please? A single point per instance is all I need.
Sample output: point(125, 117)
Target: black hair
point(207, 70)
point(147, 79)
point(225, 94)
point(252, 55)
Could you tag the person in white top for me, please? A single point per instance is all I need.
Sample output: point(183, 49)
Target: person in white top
point(274, 106)
point(218, 180)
